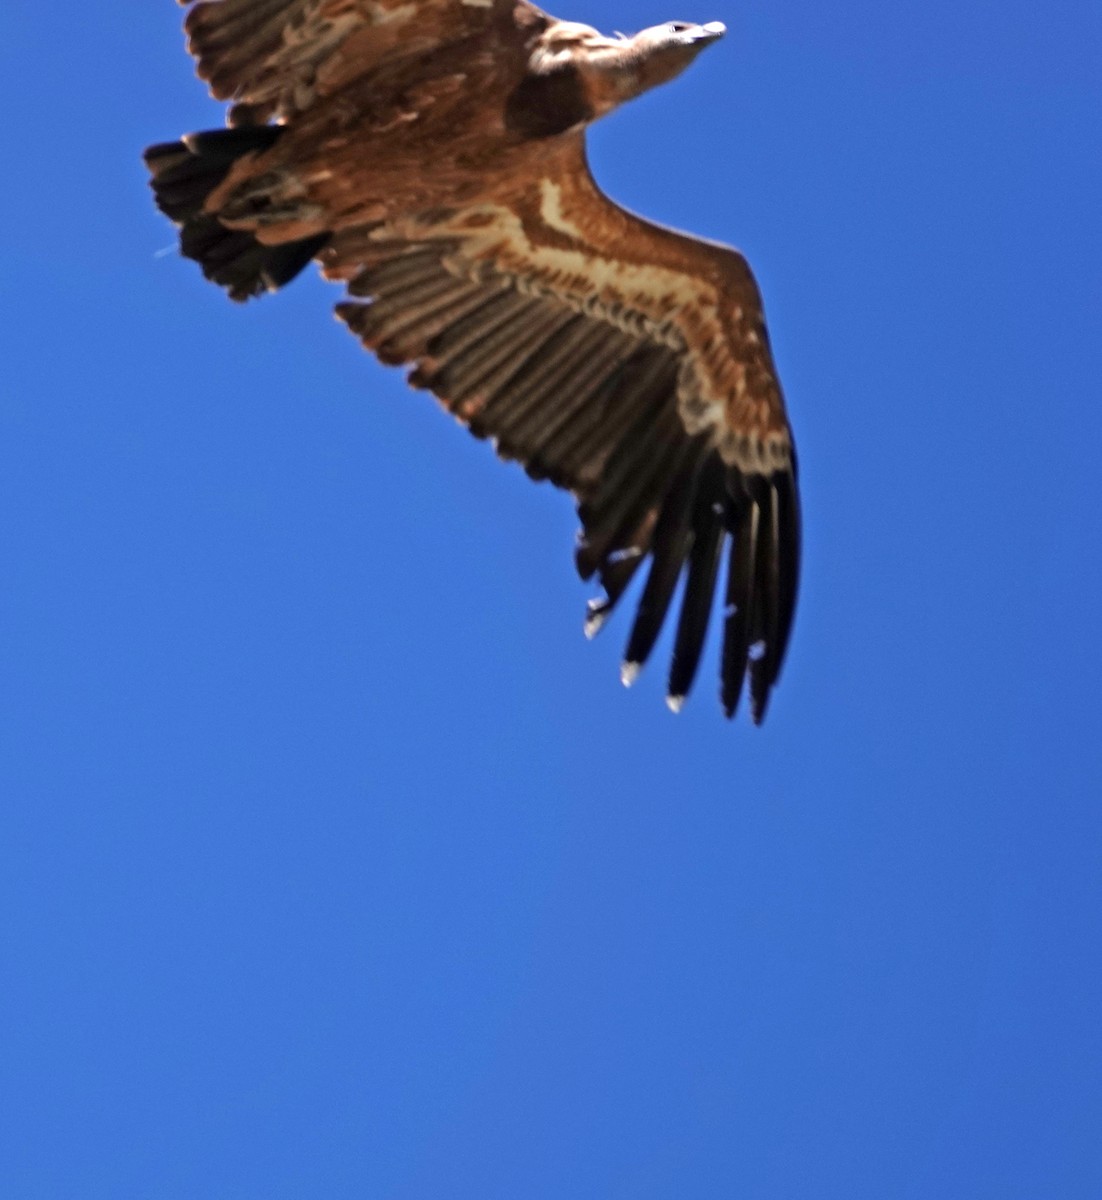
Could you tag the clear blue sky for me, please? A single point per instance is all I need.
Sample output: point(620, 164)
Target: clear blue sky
point(334, 863)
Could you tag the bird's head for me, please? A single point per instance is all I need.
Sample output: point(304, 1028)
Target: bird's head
point(615, 69)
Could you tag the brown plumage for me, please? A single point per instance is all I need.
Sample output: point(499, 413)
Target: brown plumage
point(431, 155)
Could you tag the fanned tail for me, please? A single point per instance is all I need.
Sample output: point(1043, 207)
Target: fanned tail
point(183, 175)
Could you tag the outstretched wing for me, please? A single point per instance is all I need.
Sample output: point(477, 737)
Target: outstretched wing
point(622, 361)
point(275, 57)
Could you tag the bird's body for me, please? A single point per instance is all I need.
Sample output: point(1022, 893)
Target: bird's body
point(431, 154)
point(407, 136)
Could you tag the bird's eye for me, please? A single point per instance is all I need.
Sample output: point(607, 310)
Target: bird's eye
point(678, 26)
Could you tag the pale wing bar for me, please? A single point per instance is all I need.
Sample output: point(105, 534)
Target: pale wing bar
point(593, 408)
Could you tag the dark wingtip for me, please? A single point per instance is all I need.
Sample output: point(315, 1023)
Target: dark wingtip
point(709, 511)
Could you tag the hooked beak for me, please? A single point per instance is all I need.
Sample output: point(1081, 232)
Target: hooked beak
point(711, 32)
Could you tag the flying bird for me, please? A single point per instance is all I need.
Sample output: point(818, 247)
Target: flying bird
point(430, 154)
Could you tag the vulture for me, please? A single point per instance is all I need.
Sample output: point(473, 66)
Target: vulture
point(430, 155)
